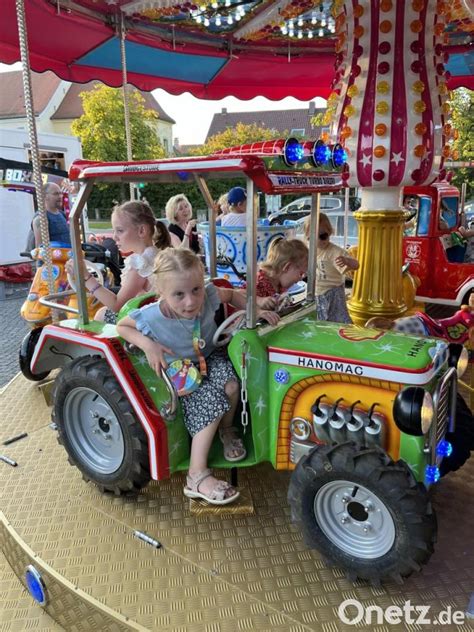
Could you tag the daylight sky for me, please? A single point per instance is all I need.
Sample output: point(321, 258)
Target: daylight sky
point(193, 116)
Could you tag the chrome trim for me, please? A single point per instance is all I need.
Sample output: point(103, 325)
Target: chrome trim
point(444, 404)
point(48, 302)
point(299, 449)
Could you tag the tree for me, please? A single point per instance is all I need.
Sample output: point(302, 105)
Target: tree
point(238, 135)
point(102, 126)
point(462, 120)
point(101, 130)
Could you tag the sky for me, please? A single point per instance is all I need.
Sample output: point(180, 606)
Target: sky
point(193, 116)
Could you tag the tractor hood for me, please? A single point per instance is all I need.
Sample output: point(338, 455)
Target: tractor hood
point(357, 351)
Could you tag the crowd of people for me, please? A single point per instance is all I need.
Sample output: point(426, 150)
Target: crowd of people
point(180, 326)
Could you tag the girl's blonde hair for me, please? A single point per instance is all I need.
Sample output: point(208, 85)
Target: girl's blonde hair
point(174, 261)
point(323, 220)
point(223, 204)
point(281, 252)
point(140, 214)
point(172, 205)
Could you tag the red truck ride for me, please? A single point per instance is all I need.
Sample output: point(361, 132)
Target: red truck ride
point(432, 246)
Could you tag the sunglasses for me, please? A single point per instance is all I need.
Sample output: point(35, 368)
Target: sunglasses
point(323, 236)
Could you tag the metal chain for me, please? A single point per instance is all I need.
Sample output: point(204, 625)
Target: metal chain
point(33, 136)
point(126, 109)
point(244, 417)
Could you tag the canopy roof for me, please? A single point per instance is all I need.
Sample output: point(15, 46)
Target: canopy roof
point(244, 48)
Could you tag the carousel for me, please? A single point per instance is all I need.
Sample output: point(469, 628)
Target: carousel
point(356, 491)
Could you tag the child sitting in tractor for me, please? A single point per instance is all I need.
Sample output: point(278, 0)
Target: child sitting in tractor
point(137, 232)
point(285, 265)
point(184, 314)
point(332, 262)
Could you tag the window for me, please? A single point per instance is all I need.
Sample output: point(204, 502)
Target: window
point(448, 213)
point(298, 132)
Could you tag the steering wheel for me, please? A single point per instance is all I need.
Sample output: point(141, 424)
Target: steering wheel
point(92, 268)
point(226, 329)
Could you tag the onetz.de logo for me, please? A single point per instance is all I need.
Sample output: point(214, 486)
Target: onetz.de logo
point(352, 612)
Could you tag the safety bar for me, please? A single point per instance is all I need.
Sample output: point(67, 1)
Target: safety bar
point(168, 411)
point(49, 302)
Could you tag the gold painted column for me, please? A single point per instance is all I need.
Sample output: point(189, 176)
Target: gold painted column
point(388, 108)
point(377, 289)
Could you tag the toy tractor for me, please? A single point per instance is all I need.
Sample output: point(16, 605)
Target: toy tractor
point(360, 415)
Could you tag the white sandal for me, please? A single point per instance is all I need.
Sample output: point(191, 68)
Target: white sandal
point(232, 444)
point(217, 496)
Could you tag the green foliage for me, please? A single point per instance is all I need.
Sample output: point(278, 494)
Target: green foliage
point(238, 135)
point(101, 130)
point(462, 119)
point(319, 119)
point(102, 126)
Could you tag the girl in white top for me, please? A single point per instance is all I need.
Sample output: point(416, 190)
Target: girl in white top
point(332, 262)
point(184, 319)
point(138, 232)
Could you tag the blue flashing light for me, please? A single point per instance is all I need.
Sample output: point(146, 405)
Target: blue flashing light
point(444, 448)
point(35, 585)
point(321, 153)
point(339, 156)
point(293, 152)
point(432, 474)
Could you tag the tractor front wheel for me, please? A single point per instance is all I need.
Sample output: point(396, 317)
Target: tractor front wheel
point(27, 349)
point(98, 427)
point(363, 512)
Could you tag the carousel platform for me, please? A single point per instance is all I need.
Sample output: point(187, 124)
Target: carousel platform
point(213, 572)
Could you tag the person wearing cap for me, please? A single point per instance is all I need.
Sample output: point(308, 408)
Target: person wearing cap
point(237, 201)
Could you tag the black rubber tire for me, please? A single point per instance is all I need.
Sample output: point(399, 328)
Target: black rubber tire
point(395, 486)
point(94, 373)
point(462, 439)
point(27, 349)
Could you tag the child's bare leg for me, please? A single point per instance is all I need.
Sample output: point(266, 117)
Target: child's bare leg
point(100, 314)
point(200, 447)
point(233, 446)
point(231, 389)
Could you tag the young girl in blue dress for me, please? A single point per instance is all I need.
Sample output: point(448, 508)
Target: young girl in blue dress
point(181, 325)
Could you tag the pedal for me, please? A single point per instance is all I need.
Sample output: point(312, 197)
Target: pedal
point(242, 506)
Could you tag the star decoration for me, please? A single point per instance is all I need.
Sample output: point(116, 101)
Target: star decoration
point(260, 405)
point(397, 158)
point(366, 160)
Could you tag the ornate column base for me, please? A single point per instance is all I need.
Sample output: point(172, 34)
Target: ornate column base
point(377, 289)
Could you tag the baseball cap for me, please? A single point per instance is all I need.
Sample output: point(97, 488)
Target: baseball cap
point(236, 195)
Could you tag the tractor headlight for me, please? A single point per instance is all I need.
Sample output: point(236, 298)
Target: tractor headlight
point(413, 410)
point(458, 358)
point(300, 428)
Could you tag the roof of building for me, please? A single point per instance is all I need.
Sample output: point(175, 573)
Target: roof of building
point(282, 121)
point(184, 150)
point(71, 105)
point(12, 102)
point(44, 85)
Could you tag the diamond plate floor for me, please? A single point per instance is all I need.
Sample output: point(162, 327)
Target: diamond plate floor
point(214, 573)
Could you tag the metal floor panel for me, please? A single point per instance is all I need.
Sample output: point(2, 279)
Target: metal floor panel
point(214, 573)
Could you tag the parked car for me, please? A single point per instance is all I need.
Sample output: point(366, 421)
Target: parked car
point(301, 207)
point(469, 213)
point(337, 219)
